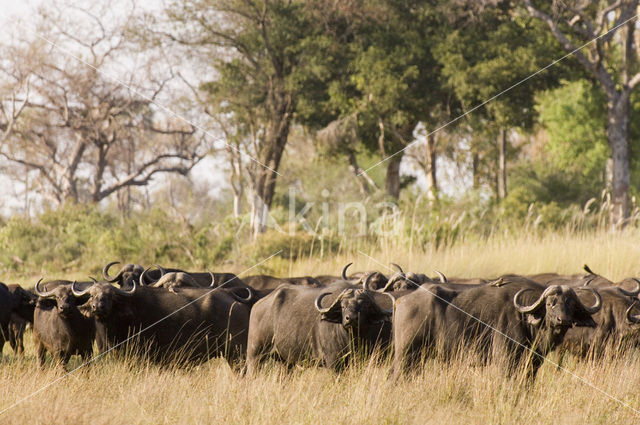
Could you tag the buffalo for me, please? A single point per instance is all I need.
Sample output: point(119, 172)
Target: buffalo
point(24, 303)
point(618, 325)
point(59, 327)
point(193, 324)
point(6, 306)
point(512, 318)
point(300, 323)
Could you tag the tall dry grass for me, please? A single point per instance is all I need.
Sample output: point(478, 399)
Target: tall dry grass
point(114, 391)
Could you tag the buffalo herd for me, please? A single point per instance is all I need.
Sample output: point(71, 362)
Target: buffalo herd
point(169, 315)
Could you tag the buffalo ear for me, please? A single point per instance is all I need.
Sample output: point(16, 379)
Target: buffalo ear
point(46, 303)
point(533, 319)
point(334, 315)
point(85, 310)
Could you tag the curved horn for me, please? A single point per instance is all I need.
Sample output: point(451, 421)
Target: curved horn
point(398, 268)
point(365, 284)
point(105, 273)
point(77, 292)
point(318, 302)
point(213, 279)
point(591, 279)
point(532, 307)
point(386, 287)
point(162, 271)
point(143, 278)
point(630, 317)
point(594, 308)
point(344, 272)
point(130, 292)
point(633, 292)
point(443, 278)
point(588, 270)
point(93, 279)
point(244, 300)
point(40, 293)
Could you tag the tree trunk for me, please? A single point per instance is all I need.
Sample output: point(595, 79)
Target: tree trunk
point(237, 201)
point(431, 174)
point(618, 137)
point(355, 169)
point(475, 164)
point(502, 164)
point(393, 176)
point(274, 143)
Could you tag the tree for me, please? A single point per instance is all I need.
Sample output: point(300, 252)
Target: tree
point(484, 53)
point(257, 51)
point(386, 79)
point(84, 135)
point(611, 59)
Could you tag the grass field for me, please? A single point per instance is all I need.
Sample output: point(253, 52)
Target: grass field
point(584, 392)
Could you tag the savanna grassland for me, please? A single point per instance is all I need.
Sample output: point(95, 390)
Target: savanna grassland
point(113, 391)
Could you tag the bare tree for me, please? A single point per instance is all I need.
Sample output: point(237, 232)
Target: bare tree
point(91, 127)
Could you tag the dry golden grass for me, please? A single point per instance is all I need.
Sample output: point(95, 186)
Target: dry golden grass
point(129, 392)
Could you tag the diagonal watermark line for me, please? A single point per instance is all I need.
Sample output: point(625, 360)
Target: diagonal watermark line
point(55, 381)
point(533, 352)
point(502, 92)
point(139, 93)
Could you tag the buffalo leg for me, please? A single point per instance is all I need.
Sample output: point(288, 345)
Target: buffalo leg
point(41, 352)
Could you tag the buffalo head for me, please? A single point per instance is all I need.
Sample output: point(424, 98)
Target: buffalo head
point(101, 298)
point(560, 307)
point(128, 274)
point(353, 308)
point(61, 296)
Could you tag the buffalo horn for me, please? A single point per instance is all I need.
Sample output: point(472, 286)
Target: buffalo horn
point(213, 279)
point(633, 292)
point(40, 293)
point(536, 304)
point(594, 308)
point(631, 318)
point(105, 273)
point(386, 287)
point(443, 278)
point(319, 302)
point(344, 272)
point(398, 268)
point(77, 292)
point(130, 292)
point(244, 300)
point(143, 278)
point(365, 283)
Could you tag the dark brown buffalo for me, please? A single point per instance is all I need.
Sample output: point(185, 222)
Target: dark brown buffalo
point(300, 323)
point(617, 325)
point(6, 307)
point(193, 324)
point(59, 327)
point(510, 319)
point(24, 303)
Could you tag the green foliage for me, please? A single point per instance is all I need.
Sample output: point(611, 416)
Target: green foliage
point(574, 118)
point(290, 246)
